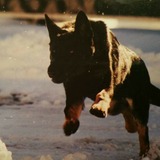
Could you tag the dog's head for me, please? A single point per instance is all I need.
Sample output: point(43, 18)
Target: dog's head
point(69, 50)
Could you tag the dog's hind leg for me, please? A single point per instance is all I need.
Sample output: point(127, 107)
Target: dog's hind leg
point(141, 114)
point(143, 138)
point(130, 123)
point(133, 125)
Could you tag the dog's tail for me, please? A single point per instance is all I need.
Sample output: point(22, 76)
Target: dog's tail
point(154, 95)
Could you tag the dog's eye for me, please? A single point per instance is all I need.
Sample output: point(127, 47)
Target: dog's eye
point(71, 52)
point(53, 52)
point(51, 57)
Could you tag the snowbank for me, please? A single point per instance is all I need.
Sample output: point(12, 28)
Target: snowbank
point(24, 55)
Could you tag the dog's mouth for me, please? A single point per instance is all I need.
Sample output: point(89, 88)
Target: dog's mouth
point(56, 78)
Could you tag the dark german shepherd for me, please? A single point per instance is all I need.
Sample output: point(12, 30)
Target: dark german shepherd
point(88, 59)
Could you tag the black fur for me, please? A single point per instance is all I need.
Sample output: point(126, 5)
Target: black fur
point(90, 62)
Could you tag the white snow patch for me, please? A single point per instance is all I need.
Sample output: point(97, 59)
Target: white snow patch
point(154, 152)
point(4, 153)
point(76, 156)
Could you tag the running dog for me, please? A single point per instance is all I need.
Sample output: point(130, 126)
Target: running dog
point(90, 62)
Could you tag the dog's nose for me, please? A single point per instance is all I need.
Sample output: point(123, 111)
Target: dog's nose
point(50, 71)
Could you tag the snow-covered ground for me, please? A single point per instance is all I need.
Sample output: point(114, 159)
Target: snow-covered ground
point(31, 106)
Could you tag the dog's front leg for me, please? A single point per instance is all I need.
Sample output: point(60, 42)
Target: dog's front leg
point(72, 113)
point(74, 106)
point(102, 103)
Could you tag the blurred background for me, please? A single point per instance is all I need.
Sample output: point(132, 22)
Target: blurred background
point(103, 7)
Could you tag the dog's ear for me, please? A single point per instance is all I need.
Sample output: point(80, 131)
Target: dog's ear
point(82, 26)
point(53, 29)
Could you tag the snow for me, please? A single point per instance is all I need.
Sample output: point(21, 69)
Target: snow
point(31, 106)
point(4, 153)
point(76, 156)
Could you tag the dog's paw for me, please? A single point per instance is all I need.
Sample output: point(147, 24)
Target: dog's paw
point(101, 105)
point(70, 127)
point(98, 113)
point(99, 109)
